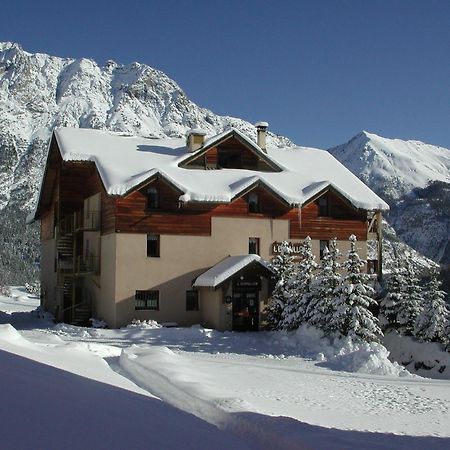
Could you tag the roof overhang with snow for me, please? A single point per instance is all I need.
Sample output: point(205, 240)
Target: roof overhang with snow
point(227, 268)
point(126, 163)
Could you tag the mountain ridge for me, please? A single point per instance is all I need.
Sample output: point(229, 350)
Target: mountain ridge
point(39, 92)
point(414, 178)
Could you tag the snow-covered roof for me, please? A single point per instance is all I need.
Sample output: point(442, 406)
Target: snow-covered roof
point(124, 162)
point(226, 269)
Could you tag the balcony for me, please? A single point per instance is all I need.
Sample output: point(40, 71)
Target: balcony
point(79, 221)
point(87, 264)
point(87, 221)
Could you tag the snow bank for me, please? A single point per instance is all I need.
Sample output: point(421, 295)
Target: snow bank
point(9, 334)
point(342, 354)
point(427, 359)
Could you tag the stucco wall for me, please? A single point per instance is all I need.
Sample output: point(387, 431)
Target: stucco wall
point(182, 259)
point(126, 268)
point(104, 306)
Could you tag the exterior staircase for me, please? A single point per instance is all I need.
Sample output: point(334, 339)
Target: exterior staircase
point(71, 268)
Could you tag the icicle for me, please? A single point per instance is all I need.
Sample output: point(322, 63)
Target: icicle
point(299, 212)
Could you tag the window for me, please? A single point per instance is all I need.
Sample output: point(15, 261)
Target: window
point(191, 301)
point(152, 198)
point(229, 159)
point(253, 246)
point(324, 209)
point(323, 245)
point(253, 203)
point(153, 245)
point(146, 300)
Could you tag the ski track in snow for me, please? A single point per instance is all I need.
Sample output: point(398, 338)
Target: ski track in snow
point(245, 384)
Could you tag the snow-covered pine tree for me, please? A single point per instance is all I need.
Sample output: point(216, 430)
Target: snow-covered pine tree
point(324, 288)
point(295, 312)
point(447, 335)
point(353, 317)
point(430, 324)
point(410, 304)
point(390, 305)
point(283, 267)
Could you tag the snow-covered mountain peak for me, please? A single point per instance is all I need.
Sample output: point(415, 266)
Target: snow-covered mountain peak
point(394, 166)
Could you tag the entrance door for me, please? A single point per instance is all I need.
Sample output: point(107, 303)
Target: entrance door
point(245, 310)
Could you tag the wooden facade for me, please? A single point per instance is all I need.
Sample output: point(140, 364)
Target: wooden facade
point(67, 184)
point(130, 214)
point(231, 154)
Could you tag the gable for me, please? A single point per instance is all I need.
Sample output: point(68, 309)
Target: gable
point(231, 152)
point(331, 203)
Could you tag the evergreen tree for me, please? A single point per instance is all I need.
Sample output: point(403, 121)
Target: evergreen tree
point(447, 334)
point(390, 305)
point(283, 267)
point(430, 324)
point(410, 304)
point(296, 308)
point(353, 317)
point(325, 288)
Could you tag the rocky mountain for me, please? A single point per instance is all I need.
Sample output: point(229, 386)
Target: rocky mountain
point(39, 92)
point(414, 178)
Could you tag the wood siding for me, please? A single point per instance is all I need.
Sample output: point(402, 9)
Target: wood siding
point(346, 221)
point(134, 217)
point(195, 218)
point(48, 225)
point(248, 159)
point(77, 181)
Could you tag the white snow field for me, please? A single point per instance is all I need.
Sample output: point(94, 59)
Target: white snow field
point(145, 386)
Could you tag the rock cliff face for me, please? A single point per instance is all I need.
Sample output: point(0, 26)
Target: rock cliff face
point(39, 92)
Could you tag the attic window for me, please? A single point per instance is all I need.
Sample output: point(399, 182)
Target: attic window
point(253, 203)
point(152, 198)
point(324, 206)
point(229, 159)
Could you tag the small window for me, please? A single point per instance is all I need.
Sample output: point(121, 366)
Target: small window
point(152, 198)
point(253, 203)
point(229, 159)
point(146, 300)
point(324, 209)
point(191, 300)
point(323, 245)
point(253, 246)
point(153, 245)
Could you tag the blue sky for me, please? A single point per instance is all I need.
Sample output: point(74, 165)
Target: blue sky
point(318, 71)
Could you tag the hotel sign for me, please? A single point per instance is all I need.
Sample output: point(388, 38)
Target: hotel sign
point(296, 248)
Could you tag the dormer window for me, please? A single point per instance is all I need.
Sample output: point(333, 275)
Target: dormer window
point(229, 159)
point(253, 203)
point(152, 198)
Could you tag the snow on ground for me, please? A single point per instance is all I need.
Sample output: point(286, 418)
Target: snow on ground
point(252, 390)
point(19, 300)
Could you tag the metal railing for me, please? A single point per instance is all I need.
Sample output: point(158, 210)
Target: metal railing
point(88, 263)
point(79, 221)
point(87, 220)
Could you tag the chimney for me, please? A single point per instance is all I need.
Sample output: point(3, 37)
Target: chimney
point(195, 138)
point(261, 128)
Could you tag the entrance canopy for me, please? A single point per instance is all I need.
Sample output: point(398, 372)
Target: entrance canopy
point(228, 267)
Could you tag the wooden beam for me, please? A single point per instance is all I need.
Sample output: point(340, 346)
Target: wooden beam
point(380, 244)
